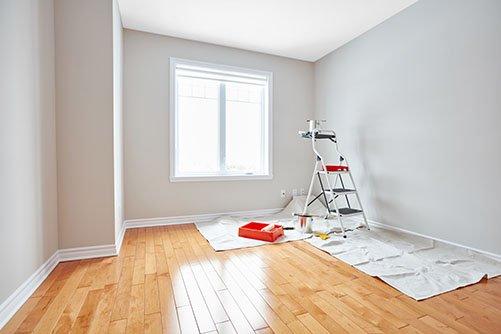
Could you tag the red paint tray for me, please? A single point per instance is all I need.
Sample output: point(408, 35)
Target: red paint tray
point(336, 168)
point(252, 230)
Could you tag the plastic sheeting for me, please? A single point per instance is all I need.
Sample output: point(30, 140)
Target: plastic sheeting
point(222, 234)
point(419, 267)
point(416, 266)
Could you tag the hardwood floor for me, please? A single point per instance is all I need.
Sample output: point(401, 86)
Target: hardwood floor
point(169, 279)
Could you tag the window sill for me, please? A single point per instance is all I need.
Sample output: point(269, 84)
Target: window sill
point(220, 178)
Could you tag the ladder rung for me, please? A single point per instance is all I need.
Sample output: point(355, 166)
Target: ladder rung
point(341, 191)
point(344, 212)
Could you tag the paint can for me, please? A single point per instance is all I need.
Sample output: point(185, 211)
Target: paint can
point(303, 223)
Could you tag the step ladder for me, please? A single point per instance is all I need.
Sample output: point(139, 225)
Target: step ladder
point(331, 192)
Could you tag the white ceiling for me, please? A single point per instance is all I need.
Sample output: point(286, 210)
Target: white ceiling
point(302, 29)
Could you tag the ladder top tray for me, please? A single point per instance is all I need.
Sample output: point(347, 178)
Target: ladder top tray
point(307, 135)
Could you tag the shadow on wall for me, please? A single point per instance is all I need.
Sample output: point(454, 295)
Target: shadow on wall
point(46, 131)
point(367, 181)
point(384, 170)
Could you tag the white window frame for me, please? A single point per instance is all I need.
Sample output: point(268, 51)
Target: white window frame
point(173, 122)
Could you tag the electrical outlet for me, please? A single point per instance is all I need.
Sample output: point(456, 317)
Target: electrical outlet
point(282, 193)
point(294, 192)
point(303, 192)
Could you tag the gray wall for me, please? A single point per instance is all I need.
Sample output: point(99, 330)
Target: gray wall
point(84, 104)
point(148, 191)
point(416, 102)
point(28, 181)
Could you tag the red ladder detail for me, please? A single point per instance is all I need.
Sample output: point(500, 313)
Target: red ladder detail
point(336, 168)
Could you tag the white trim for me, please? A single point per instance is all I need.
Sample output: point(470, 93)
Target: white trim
point(175, 220)
point(220, 67)
point(221, 178)
point(80, 253)
point(172, 118)
point(14, 302)
point(398, 229)
point(120, 238)
point(268, 134)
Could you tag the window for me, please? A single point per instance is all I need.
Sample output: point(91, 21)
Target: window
point(220, 122)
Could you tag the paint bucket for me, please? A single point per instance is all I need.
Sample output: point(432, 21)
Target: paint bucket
point(303, 223)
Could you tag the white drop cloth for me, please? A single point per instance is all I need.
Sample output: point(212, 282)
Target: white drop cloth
point(222, 233)
point(419, 267)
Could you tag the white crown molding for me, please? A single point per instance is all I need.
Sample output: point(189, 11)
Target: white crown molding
point(10, 306)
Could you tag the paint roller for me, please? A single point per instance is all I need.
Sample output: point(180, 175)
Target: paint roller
point(268, 228)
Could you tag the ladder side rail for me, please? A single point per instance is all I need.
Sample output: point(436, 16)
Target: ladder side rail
point(335, 141)
point(336, 148)
point(313, 131)
point(353, 183)
point(310, 189)
point(343, 158)
point(321, 159)
point(327, 202)
point(358, 200)
point(332, 197)
point(338, 216)
point(345, 196)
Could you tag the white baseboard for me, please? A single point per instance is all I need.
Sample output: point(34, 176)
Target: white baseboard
point(120, 238)
point(80, 253)
point(147, 222)
point(398, 229)
point(10, 306)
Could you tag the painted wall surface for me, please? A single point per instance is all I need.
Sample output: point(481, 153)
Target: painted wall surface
point(28, 191)
point(118, 119)
point(84, 104)
point(148, 191)
point(416, 103)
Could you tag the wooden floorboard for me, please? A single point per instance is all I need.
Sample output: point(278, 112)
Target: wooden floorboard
point(168, 279)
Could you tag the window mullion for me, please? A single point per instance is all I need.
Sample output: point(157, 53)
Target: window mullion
point(222, 128)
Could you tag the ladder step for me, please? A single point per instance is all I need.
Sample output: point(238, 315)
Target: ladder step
point(347, 212)
point(336, 168)
point(341, 191)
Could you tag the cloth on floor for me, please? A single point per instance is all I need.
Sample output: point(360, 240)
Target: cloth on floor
point(418, 267)
point(222, 233)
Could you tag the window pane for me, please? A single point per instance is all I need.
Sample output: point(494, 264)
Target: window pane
point(244, 128)
point(198, 126)
point(215, 137)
